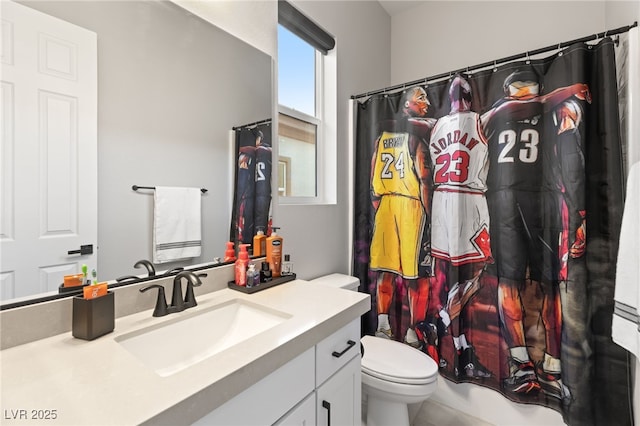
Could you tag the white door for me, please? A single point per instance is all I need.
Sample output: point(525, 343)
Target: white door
point(49, 150)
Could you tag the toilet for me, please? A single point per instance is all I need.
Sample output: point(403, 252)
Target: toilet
point(394, 375)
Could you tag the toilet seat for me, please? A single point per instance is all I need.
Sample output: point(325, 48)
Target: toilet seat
point(397, 362)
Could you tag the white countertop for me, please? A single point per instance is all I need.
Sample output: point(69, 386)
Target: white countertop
point(99, 382)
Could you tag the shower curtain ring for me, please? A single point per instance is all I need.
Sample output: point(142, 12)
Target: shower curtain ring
point(559, 49)
point(495, 66)
point(528, 59)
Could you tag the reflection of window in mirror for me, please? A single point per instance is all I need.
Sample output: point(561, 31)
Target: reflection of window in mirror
point(297, 142)
point(307, 108)
point(284, 176)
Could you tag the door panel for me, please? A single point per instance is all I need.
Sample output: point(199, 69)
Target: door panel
point(49, 150)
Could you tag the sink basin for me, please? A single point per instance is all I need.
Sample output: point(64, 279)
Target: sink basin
point(175, 345)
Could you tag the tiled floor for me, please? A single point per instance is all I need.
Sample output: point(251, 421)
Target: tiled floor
point(435, 414)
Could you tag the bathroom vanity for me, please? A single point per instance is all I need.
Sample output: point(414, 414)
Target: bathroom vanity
point(303, 363)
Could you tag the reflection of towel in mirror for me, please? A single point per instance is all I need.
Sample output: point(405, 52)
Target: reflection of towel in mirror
point(625, 329)
point(176, 224)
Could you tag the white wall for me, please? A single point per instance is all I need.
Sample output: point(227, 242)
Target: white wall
point(254, 22)
point(317, 236)
point(440, 36)
point(437, 37)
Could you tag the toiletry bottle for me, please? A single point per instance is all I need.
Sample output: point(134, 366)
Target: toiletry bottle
point(253, 277)
point(265, 273)
point(287, 266)
point(85, 275)
point(230, 253)
point(241, 265)
point(259, 243)
point(274, 252)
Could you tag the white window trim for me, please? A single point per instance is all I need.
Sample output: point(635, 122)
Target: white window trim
point(326, 143)
point(300, 116)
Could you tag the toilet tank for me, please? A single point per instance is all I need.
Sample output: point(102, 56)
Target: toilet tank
point(338, 280)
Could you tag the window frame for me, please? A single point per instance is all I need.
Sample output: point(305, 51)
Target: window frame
point(325, 120)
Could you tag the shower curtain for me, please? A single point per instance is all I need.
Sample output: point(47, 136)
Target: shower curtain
point(252, 196)
point(487, 217)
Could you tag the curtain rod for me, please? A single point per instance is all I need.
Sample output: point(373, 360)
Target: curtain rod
point(265, 121)
point(500, 61)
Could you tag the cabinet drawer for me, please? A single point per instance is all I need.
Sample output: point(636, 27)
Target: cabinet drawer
point(336, 350)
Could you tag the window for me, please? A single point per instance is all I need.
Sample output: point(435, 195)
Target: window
point(297, 64)
point(306, 110)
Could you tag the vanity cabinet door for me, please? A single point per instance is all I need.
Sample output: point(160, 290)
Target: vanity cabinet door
point(338, 399)
point(304, 414)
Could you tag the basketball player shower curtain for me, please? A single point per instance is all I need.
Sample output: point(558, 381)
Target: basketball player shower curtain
point(487, 218)
point(252, 196)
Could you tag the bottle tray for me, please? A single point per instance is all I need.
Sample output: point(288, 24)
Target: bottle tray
point(274, 282)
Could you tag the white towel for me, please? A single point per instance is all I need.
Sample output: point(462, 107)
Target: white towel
point(625, 328)
point(176, 224)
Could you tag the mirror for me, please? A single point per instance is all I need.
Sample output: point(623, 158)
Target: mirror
point(170, 87)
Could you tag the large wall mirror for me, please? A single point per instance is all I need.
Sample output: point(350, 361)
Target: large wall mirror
point(170, 87)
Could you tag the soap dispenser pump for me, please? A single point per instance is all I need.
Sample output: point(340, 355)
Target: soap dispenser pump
point(230, 253)
point(241, 265)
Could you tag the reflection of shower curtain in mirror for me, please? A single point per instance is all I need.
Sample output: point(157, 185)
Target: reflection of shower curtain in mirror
point(252, 197)
point(487, 218)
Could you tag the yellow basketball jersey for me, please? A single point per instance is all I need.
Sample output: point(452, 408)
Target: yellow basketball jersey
point(394, 171)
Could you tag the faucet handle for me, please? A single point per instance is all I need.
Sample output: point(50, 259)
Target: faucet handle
point(161, 302)
point(193, 280)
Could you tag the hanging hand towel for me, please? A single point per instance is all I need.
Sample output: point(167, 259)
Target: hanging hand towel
point(176, 224)
point(625, 328)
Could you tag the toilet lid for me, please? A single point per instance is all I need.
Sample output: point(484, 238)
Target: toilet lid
point(396, 362)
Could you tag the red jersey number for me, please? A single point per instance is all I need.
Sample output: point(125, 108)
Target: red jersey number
point(452, 168)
